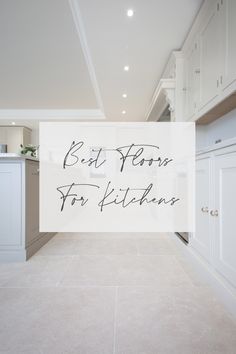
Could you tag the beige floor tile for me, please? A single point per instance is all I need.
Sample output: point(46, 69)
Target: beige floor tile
point(159, 246)
point(56, 320)
point(73, 246)
point(181, 321)
point(110, 293)
point(36, 272)
point(124, 270)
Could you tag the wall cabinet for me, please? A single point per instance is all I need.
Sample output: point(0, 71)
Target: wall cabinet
point(228, 39)
point(192, 79)
point(213, 59)
point(215, 232)
point(210, 52)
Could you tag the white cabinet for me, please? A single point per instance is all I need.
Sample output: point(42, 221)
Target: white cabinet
point(210, 53)
point(224, 215)
point(19, 209)
point(213, 34)
point(215, 236)
point(229, 40)
point(10, 205)
point(192, 67)
point(201, 240)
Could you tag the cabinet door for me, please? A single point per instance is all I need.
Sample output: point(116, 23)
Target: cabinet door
point(225, 222)
point(192, 86)
point(210, 49)
point(32, 201)
point(10, 205)
point(201, 238)
point(229, 42)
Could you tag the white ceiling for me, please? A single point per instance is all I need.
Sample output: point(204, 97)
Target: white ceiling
point(69, 54)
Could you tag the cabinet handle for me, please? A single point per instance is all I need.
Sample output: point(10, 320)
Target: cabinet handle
point(204, 209)
point(197, 71)
point(214, 212)
point(217, 83)
point(221, 79)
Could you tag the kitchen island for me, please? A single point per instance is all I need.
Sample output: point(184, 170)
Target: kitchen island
point(19, 208)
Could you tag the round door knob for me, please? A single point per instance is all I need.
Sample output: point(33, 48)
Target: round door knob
point(214, 212)
point(204, 209)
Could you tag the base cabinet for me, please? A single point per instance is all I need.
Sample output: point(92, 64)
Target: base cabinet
point(19, 209)
point(224, 239)
point(201, 238)
point(215, 236)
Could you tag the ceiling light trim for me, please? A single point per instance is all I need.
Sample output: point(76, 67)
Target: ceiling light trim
point(76, 14)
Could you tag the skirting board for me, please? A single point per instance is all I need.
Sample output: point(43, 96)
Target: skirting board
point(222, 289)
point(21, 255)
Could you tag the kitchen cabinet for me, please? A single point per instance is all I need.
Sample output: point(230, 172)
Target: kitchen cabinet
point(201, 239)
point(228, 39)
point(213, 89)
point(210, 54)
point(224, 214)
point(214, 238)
point(19, 209)
point(32, 201)
point(192, 67)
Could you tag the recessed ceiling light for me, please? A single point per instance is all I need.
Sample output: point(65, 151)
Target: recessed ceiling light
point(124, 95)
point(126, 68)
point(13, 123)
point(123, 112)
point(130, 12)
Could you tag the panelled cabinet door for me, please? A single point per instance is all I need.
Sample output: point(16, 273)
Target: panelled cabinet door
point(11, 205)
point(32, 201)
point(229, 42)
point(225, 222)
point(193, 75)
point(201, 238)
point(210, 51)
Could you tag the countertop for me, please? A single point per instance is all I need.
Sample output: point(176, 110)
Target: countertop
point(13, 156)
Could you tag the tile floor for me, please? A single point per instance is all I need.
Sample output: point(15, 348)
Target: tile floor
point(110, 294)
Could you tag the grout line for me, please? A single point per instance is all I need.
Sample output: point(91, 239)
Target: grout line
point(115, 318)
